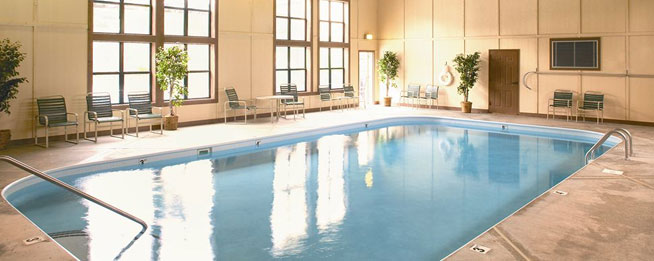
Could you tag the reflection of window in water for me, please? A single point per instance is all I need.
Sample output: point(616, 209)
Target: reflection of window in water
point(330, 205)
point(288, 218)
point(187, 198)
point(366, 147)
point(108, 233)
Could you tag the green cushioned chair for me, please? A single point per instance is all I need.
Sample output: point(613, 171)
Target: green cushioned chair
point(431, 95)
point(53, 113)
point(562, 100)
point(593, 102)
point(326, 96)
point(140, 108)
point(99, 111)
point(234, 104)
point(412, 94)
point(350, 95)
point(295, 103)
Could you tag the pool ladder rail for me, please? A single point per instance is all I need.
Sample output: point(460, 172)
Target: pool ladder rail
point(623, 133)
point(48, 178)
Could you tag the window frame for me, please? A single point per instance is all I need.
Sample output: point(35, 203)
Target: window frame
point(329, 44)
point(156, 38)
point(307, 43)
point(579, 39)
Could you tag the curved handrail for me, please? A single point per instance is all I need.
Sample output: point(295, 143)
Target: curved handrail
point(524, 79)
point(76, 191)
point(623, 133)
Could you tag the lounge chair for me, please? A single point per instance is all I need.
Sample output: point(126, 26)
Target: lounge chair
point(431, 95)
point(412, 93)
point(53, 113)
point(140, 108)
point(295, 103)
point(234, 104)
point(99, 111)
point(350, 95)
point(593, 102)
point(326, 96)
point(562, 100)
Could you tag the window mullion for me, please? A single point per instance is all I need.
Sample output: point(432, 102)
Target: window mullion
point(121, 74)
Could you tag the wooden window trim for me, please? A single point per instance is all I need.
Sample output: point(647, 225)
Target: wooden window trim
point(329, 44)
point(308, 43)
point(157, 38)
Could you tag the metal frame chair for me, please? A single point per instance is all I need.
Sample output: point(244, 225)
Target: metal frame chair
point(296, 102)
point(412, 93)
point(561, 99)
point(140, 108)
point(99, 111)
point(349, 94)
point(431, 94)
point(326, 96)
point(593, 101)
point(236, 104)
point(53, 113)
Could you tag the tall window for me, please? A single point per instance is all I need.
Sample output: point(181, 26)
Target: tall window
point(127, 33)
point(334, 43)
point(292, 43)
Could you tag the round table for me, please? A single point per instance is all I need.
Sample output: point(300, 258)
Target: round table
point(275, 101)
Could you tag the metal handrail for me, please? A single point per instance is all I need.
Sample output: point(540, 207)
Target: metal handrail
point(626, 74)
point(76, 191)
point(623, 133)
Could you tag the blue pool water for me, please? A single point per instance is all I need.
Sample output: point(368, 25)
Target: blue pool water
point(415, 192)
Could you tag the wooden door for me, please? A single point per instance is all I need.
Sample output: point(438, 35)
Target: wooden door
point(504, 81)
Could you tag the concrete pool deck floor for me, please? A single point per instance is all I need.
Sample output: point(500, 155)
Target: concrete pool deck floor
point(603, 217)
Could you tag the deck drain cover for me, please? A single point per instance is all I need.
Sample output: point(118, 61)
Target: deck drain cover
point(612, 171)
point(560, 192)
point(480, 249)
point(33, 240)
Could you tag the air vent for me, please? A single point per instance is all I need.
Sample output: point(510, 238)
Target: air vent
point(206, 152)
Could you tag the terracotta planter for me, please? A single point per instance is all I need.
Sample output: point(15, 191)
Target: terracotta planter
point(466, 107)
point(387, 101)
point(5, 137)
point(170, 122)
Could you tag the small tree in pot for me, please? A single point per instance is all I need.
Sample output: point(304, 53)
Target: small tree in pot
point(10, 59)
point(172, 66)
point(468, 68)
point(389, 66)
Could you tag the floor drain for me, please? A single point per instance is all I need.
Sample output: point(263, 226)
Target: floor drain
point(560, 192)
point(33, 240)
point(480, 249)
point(612, 171)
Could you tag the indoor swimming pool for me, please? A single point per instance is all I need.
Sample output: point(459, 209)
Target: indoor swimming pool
point(396, 189)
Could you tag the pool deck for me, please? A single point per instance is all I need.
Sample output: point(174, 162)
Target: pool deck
point(603, 217)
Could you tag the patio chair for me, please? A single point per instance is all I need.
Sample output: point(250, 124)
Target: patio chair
point(593, 102)
point(412, 93)
point(562, 100)
point(234, 104)
point(295, 103)
point(140, 108)
point(326, 96)
point(99, 111)
point(349, 94)
point(53, 113)
point(431, 95)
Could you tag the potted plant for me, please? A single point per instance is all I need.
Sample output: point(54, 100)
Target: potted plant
point(389, 66)
point(468, 68)
point(10, 59)
point(172, 66)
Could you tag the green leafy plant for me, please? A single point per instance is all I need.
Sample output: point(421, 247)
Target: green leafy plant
point(389, 66)
point(10, 59)
point(468, 68)
point(172, 66)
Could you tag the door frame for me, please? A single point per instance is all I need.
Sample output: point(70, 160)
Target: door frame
point(489, 78)
point(374, 74)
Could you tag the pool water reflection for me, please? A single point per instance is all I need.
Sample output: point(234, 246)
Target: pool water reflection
point(413, 192)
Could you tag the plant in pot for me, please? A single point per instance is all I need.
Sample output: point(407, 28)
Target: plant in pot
point(172, 66)
point(389, 66)
point(10, 59)
point(468, 68)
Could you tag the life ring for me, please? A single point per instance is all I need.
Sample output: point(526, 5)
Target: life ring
point(445, 77)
